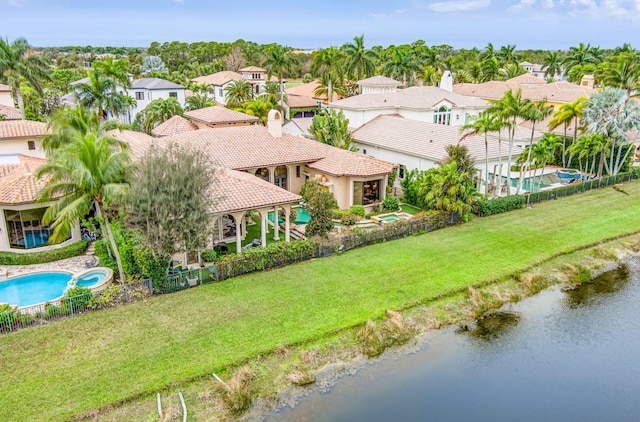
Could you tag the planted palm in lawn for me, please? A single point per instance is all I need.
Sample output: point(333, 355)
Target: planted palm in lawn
point(56, 371)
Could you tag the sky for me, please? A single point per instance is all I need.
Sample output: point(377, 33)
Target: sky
point(529, 24)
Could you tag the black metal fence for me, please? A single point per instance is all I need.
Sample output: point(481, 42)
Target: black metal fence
point(575, 188)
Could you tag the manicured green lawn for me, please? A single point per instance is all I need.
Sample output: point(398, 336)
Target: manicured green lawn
point(64, 368)
point(254, 232)
point(409, 209)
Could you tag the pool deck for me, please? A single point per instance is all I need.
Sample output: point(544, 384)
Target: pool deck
point(74, 265)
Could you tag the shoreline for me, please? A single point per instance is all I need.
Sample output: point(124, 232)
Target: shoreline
point(282, 378)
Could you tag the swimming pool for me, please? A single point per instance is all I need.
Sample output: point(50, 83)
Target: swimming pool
point(34, 288)
point(96, 279)
point(302, 216)
point(91, 279)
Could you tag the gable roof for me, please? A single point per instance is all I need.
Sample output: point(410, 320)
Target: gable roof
point(220, 115)
point(218, 78)
point(560, 91)
point(308, 90)
point(176, 124)
point(22, 129)
point(423, 139)
point(252, 69)
point(10, 113)
point(416, 97)
point(297, 101)
point(18, 183)
point(379, 80)
point(139, 142)
point(154, 83)
point(526, 79)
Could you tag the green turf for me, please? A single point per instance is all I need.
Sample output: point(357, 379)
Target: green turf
point(409, 209)
point(56, 371)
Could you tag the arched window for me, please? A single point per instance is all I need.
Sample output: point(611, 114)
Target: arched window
point(263, 173)
point(442, 116)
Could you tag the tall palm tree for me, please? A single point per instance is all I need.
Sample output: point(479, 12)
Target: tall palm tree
point(623, 73)
point(328, 61)
point(66, 124)
point(238, 92)
point(17, 63)
point(544, 152)
point(582, 55)
point(98, 94)
point(534, 112)
point(198, 101)
point(279, 60)
point(490, 69)
point(116, 70)
point(512, 70)
point(482, 125)
point(402, 65)
point(260, 108)
point(160, 110)
point(507, 54)
point(88, 172)
point(359, 61)
point(451, 190)
point(510, 108)
point(566, 114)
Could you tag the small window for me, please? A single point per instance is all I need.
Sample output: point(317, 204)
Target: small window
point(401, 171)
point(297, 171)
point(173, 94)
point(364, 151)
point(140, 95)
point(32, 145)
point(220, 92)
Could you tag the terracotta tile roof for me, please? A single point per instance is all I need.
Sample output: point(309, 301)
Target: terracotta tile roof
point(22, 129)
point(240, 191)
point(5, 88)
point(218, 78)
point(18, 183)
point(297, 101)
point(380, 80)
point(339, 162)
point(426, 140)
point(526, 79)
point(252, 69)
point(137, 141)
point(307, 90)
point(10, 113)
point(561, 91)
point(173, 126)
point(417, 97)
point(219, 115)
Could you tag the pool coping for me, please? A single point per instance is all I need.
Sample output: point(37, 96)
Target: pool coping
point(404, 216)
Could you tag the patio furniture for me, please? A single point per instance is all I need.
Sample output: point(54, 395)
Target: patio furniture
point(192, 281)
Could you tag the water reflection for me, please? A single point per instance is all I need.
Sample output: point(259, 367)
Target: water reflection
point(492, 326)
point(588, 293)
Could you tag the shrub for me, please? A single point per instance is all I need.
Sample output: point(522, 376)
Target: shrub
point(53, 311)
point(307, 77)
point(236, 394)
point(77, 298)
point(500, 205)
point(372, 339)
point(349, 219)
point(208, 255)
point(69, 251)
point(357, 210)
point(338, 214)
point(391, 203)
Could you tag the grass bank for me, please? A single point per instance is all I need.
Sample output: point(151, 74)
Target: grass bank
point(56, 371)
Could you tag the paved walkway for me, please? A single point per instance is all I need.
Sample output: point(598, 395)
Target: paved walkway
point(74, 265)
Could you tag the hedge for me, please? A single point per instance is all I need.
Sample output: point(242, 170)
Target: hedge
point(12, 258)
point(500, 205)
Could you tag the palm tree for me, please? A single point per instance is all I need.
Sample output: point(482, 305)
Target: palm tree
point(66, 124)
point(328, 61)
point(359, 61)
point(337, 88)
point(581, 56)
point(198, 101)
point(490, 69)
point(450, 190)
point(544, 152)
point(402, 65)
point(90, 171)
point(482, 125)
point(507, 54)
point(279, 60)
point(623, 73)
point(116, 70)
point(98, 94)
point(552, 64)
point(17, 63)
point(160, 110)
point(260, 108)
point(566, 114)
point(488, 53)
point(534, 112)
point(238, 92)
point(510, 108)
point(512, 70)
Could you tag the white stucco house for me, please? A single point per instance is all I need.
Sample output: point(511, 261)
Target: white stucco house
point(22, 137)
point(5, 96)
point(380, 96)
point(217, 82)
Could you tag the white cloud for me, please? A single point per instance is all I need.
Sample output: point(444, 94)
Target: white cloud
point(395, 13)
point(180, 1)
point(459, 6)
point(523, 5)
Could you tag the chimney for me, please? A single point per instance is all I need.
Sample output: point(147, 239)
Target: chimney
point(588, 81)
point(446, 82)
point(274, 124)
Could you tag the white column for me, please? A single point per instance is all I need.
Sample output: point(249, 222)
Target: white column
point(272, 175)
point(287, 225)
point(264, 212)
point(238, 218)
point(276, 224)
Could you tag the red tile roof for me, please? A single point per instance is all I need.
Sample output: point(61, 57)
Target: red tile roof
point(561, 91)
point(10, 113)
point(219, 115)
point(173, 126)
point(22, 129)
point(18, 183)
point(308, 90)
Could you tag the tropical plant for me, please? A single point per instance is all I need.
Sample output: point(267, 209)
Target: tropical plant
point(611, 114)
point(402, 65)
point(507, 54)
point(320, 204)
point(153, 64)
point(328, 61)
point(198, 101)
point(238, 92)
point(17, 63)
point(582, 55)
point(552, 64)
point(160, 110)
point(116, 70)
point(88, 172)
point(332, 128)
point(623, 73)
point(97, 93)
point(260, 108)
point(451, 191)
point(360, 62)
point(482, 125)
point(534, 112)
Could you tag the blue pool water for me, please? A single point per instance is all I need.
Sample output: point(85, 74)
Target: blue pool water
point(91, 279)
point(302, 217)
point(33, 288)
point(34, 239)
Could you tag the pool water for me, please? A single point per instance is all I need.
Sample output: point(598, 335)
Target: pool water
point(302, 217)
point(91, 279)
point(33, 288)
point(390, 218)
point(538, 184)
